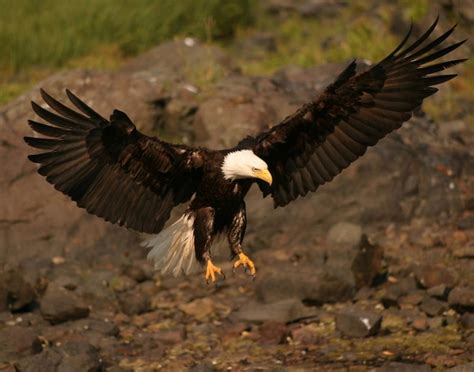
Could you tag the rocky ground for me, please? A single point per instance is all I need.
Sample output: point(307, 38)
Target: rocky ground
point(373, 272)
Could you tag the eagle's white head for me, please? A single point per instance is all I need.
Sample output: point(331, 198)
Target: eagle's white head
point(245, 164)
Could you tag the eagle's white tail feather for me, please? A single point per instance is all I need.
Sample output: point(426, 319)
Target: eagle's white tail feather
point(173, 248)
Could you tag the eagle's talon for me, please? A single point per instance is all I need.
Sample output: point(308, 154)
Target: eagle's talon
point(246, 263)
point(211, 272)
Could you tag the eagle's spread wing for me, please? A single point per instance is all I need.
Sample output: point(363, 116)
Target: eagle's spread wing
point(111, 169)
point(312, 146)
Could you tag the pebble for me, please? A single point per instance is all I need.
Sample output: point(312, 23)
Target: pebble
point(59, 305)
point(462, 299)
point(432, 306)
point(429, 276)
point(467, 320)
point(358, 323)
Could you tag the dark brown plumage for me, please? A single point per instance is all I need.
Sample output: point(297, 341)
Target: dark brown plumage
point(312, 146)
point(113, 171)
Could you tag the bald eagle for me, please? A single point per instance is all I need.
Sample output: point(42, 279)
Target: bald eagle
point(115, 172)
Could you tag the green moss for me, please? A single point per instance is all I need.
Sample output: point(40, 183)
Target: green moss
point(439, 342)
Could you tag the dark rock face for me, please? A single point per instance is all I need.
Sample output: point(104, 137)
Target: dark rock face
point(17, 342)
point(462, 298)
point(59, 305)
point(358, 323)
point(305, 284)
point(73, 356)
point(16, 293)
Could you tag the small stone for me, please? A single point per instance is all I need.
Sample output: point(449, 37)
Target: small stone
point(272, 333)
point(59, 305)
point(464, 252)
point(403, 367)
point(462, 299)
point(432, 306)
point(135, 272)
point(170, 336)
point(122, 283)
point(436, 322)
point(466, 222)
point(134, 302)
point(420, 324)
point(429, 276)
point(16, 342)
point(48, 360)
point(467, 320)
point(394, 290)
point(358, 323)
point(58, 260)
point(199, 309)
point(79, 356)
point(306, 334)
point(280, 311)
point(69, 282)
point(439, 291)
point(19, 293)
point(411, 299)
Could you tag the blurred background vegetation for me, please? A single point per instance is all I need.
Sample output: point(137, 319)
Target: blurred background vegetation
point(40, 37)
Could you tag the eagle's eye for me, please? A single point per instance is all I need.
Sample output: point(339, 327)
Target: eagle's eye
point(254, 169)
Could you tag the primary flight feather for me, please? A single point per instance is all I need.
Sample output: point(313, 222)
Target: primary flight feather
point(115, 172)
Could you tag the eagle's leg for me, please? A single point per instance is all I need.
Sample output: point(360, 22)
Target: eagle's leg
point(203, 230)
point(236, 236)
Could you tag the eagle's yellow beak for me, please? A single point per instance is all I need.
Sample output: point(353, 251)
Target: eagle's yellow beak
point(264, 175)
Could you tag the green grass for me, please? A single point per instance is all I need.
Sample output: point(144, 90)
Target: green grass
point(38, 38)
point(45, 35)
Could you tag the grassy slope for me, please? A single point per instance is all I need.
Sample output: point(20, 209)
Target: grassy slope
point(40, 37)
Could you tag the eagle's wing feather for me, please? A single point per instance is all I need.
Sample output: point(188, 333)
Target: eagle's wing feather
point(111, 169)
point(312, 146)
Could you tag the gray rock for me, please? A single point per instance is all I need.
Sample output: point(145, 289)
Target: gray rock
point(432, 306)
point(280, 311)
point(71, 357)
point(136, 273)
point(468, 367)
point(439, 291)
point(15, 292)
point(48, 360)
point(358, 323)
point(462, 299)
point(16, 342)
point(59, 305)
point(466, 223)
point(272, 333)
point(134, 302)
point(79, 356)
point(391, 293)
point(429, 276)
point(403, 367)
point(305, 283)
point(467, 320)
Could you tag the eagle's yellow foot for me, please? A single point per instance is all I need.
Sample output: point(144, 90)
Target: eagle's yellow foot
point(211, 272)
point(245, 262)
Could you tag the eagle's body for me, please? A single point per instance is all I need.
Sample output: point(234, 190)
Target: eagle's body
point(115, 172)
